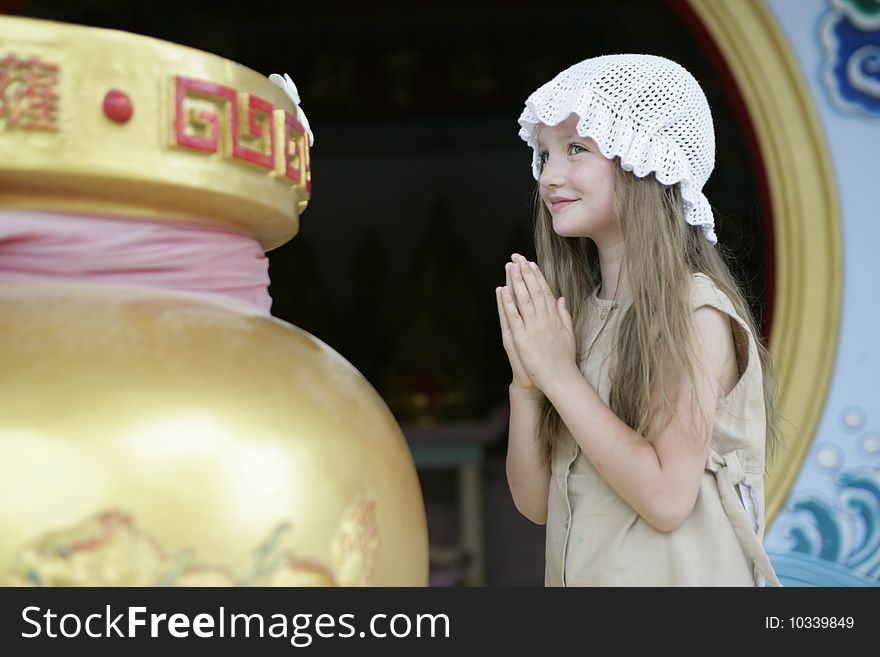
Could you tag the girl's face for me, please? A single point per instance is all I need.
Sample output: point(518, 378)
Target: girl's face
point(576, 182)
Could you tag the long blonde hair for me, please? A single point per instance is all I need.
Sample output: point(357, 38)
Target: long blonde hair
point(661, 252)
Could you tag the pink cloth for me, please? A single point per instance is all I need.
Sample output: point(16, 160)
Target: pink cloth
point(68, 248)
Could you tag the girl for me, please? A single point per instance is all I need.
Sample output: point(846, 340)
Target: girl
point(642, 397)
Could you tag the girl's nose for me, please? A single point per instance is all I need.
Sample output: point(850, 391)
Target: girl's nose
point(551, 175)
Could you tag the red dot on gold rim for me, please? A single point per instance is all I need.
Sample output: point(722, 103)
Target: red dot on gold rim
point(118, 106)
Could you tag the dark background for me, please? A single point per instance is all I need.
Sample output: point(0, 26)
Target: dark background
point(422, 189)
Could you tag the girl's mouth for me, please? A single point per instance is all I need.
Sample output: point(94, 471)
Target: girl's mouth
point(561, 204)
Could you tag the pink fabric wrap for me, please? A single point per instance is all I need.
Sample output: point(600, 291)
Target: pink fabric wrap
point(43, 247)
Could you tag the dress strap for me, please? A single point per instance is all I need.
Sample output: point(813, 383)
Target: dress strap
point(728, 473)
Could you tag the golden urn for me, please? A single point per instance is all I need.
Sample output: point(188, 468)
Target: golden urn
point(156, 430)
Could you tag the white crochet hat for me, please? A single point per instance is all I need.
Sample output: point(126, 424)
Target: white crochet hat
point(647, 110)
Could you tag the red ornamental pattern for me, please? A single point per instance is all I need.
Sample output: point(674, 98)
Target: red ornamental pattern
point(241, 127)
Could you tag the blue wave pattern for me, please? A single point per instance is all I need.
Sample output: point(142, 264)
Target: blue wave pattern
point(834, 544)
point(850, 38)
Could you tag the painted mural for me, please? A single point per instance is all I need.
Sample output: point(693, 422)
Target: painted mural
point(827, 532)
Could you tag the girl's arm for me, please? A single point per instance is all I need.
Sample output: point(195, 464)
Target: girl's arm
point(659, 477)
point(527, 475)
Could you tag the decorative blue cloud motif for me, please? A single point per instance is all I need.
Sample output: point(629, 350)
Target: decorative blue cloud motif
point(834, 544)
point(850, 35)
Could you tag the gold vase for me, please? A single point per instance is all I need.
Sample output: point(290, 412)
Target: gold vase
point(160, 438)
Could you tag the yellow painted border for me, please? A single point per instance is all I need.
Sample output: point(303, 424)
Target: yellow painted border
point(806, 220)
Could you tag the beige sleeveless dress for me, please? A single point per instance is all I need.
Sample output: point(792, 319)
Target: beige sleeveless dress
point(594, 538)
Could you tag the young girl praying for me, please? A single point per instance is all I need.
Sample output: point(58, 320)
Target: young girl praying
point(642, 398)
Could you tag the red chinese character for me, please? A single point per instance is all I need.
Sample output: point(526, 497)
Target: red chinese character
point(27, 94)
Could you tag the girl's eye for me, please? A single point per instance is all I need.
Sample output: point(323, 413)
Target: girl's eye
point(542, 159)
point(574, 149)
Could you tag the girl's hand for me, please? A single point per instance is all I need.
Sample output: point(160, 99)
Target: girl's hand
point(540, 326)
point(521, 381)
